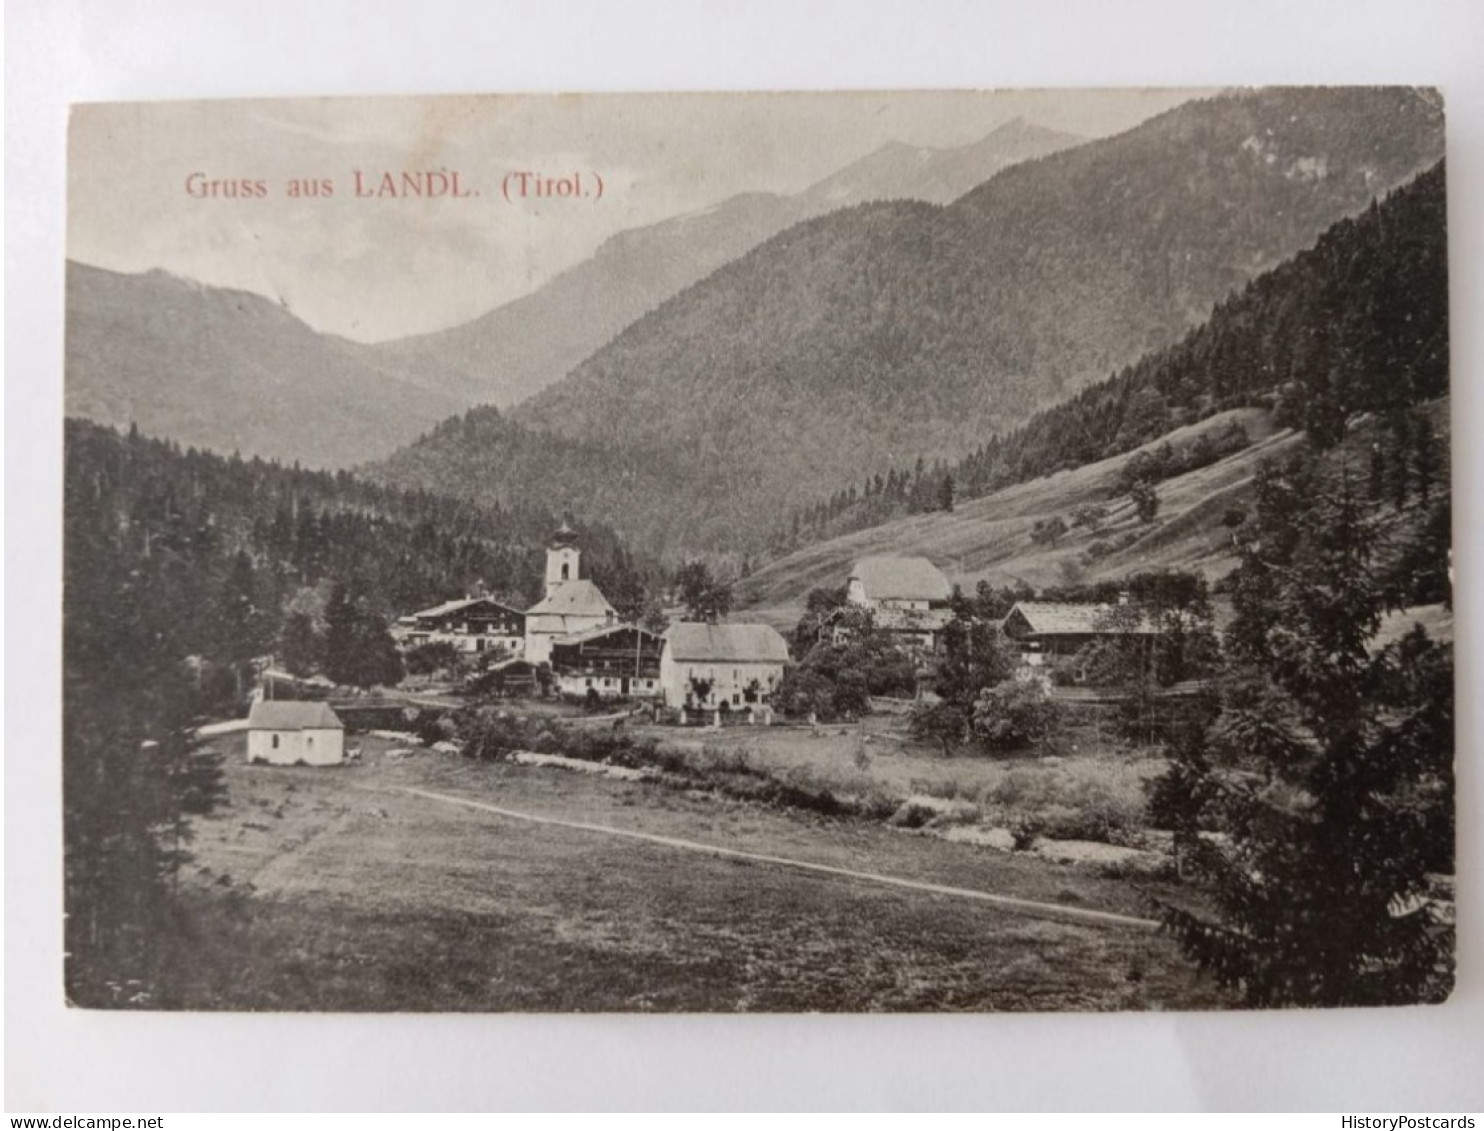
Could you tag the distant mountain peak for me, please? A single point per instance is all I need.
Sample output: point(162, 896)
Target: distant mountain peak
point(514, 351)
point(232, 370)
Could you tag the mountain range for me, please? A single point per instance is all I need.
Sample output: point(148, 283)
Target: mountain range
point(520, 348)
point(234, 371)
point(857, 340)
point(870, 333)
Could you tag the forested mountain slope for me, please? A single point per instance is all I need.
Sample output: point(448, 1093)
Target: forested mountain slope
point(517, 349)
point(1358, 323)
point(855, 342)
point(232, 371)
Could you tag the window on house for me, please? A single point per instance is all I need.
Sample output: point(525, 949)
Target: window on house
point(275, 742)
point(566, 571)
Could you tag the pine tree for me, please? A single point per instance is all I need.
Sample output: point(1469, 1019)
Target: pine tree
point(300, 646)
point(1331, 773)
point(945, 493)
point(340, 636)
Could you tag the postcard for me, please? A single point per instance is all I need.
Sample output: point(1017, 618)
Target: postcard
point(859, 552)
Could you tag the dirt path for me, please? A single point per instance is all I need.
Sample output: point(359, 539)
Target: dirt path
point(274, 874)
point(1011, 903)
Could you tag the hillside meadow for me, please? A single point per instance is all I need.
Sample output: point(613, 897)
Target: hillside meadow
point(989, 538)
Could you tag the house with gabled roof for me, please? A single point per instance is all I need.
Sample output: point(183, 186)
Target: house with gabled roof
point(620, 661)
point(906, 597)
point(1061, 628)
point(289, 731)
point(470, 624)
point(722, 667)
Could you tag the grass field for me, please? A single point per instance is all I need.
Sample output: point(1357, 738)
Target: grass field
point(989, 538)
point(328, 889)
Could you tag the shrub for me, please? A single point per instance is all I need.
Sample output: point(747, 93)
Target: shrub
point(943, 723)
point(1048, 531)
point(431, 727)
point(1098, 550)
point(1013, 715)
point(492, 738)
point(1090, 515)
point(434, 656)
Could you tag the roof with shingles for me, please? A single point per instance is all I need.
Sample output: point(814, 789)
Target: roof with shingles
point(887, 578)
point(603, 630)
point(450, 607)
point(751, 643)
point(1053, 618)
point(580, 598)
point(292, 714)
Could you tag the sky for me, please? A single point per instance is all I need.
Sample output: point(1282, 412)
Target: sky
point(381, 266)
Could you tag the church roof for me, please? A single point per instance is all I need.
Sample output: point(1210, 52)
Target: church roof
point(887, 578)
point(580, 598)
point(292, 714)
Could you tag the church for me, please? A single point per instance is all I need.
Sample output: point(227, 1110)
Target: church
point(572, 604)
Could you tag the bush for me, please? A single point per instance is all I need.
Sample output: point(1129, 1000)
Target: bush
point(433, 727)
point(943, 723)
point(434, 656)
point(1099, 550)
point(1048, 531)
point(1013, 715)
point(1090, 515)
point(492, 738)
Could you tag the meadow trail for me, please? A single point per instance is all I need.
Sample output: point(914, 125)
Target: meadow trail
point(1030, 907)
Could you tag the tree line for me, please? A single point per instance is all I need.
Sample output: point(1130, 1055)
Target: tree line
point(1356, 324)
point(181, 568)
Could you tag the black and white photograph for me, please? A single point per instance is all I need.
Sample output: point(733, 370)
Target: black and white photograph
point(902, 552)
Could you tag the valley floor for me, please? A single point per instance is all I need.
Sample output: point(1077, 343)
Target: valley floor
point(335, 889)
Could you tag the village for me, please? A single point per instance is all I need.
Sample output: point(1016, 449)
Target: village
point(667, 755)
point(572, 646)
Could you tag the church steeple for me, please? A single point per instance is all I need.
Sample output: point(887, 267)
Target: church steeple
point(562, 558)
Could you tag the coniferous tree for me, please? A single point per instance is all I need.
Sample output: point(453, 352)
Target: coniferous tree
point(341, 663)
point(300, 645)
point(1331, 773)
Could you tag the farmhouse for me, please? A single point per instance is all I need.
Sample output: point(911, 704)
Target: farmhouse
point(621, 661)
point(286, 732)
point(1056, 628)
point(473, 624)
point(906, 597)
point(727, 667)
point(572, 604)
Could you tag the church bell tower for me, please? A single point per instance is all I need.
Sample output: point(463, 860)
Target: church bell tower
point(562, 558)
